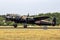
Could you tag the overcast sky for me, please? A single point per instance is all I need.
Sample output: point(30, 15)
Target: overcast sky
point(32, 7)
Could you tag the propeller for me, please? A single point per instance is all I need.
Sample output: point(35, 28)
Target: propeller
point(28, 15)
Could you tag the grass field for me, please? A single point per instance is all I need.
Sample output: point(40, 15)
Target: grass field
point(29, 34)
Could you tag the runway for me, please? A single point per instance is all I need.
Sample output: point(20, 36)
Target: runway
point(30, 27)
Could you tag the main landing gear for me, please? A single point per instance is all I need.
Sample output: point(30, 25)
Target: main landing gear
point(15, 25)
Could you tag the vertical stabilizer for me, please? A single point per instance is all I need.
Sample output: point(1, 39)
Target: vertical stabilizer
point(54, 21)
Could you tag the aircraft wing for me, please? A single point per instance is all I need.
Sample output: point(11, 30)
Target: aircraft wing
point(41, 18)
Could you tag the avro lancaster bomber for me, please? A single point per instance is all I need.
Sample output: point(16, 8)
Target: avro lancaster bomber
point(30, 20)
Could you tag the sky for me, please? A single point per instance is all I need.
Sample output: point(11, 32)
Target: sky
point(23, 7)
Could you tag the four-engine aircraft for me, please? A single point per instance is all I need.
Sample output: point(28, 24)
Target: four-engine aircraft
point(30, 20)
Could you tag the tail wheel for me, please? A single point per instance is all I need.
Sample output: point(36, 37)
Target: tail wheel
point(15, 25)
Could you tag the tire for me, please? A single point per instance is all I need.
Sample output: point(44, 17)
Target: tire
point(15, 25)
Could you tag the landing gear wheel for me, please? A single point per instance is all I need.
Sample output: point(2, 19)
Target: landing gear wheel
point(15, 25)
point(25, 25)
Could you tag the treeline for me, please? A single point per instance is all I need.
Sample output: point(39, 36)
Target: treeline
point(51, 15)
